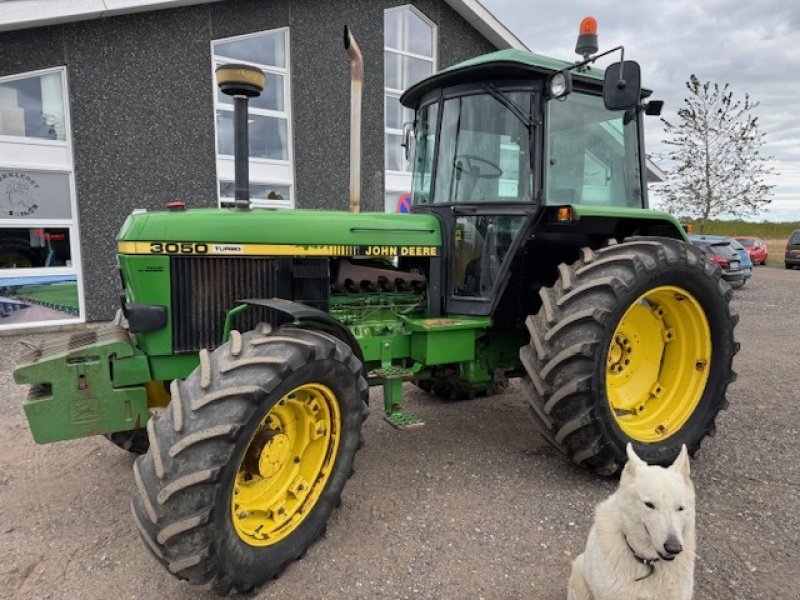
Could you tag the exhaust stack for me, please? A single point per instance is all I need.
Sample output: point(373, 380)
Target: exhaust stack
point(356, 84)
point(242, 82)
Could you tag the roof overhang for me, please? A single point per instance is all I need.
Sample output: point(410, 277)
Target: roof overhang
point(23, 14)
point(487, 24)
point(654, 173)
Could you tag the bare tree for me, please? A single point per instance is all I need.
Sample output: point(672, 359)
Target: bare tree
point(718, 168)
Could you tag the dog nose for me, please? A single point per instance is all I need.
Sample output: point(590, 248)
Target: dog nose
point(673, 546)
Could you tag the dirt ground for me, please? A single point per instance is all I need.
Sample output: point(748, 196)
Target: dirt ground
point(473, 505)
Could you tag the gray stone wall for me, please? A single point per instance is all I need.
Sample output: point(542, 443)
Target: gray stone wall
point(141, 103)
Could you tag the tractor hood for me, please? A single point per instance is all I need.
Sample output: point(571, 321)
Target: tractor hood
point(307, 228)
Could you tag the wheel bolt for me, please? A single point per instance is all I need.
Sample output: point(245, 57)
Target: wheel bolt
point(243, 514)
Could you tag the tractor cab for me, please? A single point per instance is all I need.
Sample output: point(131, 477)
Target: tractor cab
point(502, 141)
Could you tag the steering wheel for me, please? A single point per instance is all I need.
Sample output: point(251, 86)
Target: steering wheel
point(473, 170)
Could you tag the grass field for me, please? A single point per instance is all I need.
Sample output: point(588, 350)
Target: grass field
point(63, 294)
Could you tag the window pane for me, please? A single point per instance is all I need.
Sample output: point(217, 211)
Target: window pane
point(266, 49)
point(392, 21)
point(425, 142)
point(391, 71)
point(419, 35)
point(396, 114)
point(33, 107)
point(593, 154)
point(484, 151)
point(33, 247)
point(414, 70)
point(395, 158)
point(34, 195)
point(481, 245)
point(258, 191)
point(270, 99)
point(267, 136)
point(31, 299)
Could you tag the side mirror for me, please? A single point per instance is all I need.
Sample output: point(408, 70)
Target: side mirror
point(622, 85)
point(408, 139)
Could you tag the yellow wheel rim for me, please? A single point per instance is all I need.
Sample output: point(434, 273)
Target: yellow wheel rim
point(658, 364)
point(286, 465)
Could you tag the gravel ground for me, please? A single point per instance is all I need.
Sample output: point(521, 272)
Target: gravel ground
point(473, 505)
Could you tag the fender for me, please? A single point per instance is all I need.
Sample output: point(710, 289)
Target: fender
point(307, 317)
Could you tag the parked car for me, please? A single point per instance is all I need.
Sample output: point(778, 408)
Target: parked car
point(793, 250)
point(756, 247)
point(719, 250)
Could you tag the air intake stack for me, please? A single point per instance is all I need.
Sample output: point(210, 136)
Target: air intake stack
point(242, 82)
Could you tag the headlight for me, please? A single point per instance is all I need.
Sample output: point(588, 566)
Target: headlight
point(560, 84)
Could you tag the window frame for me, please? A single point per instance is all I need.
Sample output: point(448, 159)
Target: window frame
point(58, 158)
point(400, 181)
point(263, 171)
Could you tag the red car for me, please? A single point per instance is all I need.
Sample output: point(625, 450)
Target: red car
point(756, 248)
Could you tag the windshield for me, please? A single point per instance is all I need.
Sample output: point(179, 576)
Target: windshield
point(483, 151)
point(592, 154)
point(747, 243)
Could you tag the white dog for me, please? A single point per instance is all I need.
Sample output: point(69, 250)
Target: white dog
point(642, 543)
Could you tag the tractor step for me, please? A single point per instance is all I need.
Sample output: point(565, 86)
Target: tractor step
point(393, 372)
point(401, 419)
point(391, 377)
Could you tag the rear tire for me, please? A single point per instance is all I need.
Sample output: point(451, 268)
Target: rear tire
point(572, 339)
point(188, 484)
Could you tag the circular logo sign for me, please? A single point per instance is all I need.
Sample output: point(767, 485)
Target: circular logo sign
point(404, 204)
point(19, 194)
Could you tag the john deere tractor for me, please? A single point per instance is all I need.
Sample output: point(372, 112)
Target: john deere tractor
point(247, 342)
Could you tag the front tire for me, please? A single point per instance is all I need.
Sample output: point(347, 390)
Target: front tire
point(248, 462)
point(633, 343)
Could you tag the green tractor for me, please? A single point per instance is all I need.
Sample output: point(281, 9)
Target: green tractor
point(248, 339)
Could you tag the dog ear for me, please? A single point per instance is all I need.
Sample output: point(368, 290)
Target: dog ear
point(634, 463)
point(681, 464)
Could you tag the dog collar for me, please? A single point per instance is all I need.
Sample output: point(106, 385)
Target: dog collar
point(647, 562)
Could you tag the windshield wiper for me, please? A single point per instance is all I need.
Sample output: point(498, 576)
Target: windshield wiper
point(510, 105)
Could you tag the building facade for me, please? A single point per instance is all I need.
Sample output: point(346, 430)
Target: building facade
point(106, 111)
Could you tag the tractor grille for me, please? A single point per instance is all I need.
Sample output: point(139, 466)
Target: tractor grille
point(204, 289)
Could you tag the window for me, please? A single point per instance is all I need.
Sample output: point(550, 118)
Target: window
point(40, 279)
point(269, 120)
point(33, 107)
point(409, 55)
point(483, 152)
point(593, 154)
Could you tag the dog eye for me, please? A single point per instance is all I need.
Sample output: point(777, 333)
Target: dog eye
point(649, 505)
point(680, 508)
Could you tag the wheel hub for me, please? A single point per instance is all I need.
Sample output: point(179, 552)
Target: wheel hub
point(286, 465)
point(619, 354)
point(653, 381)
point(268, 453)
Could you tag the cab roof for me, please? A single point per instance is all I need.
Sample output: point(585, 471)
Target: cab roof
point(503, 64)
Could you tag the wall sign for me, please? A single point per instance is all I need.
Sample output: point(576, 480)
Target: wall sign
point(34, 195)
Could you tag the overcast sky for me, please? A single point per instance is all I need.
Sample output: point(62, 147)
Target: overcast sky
point(754, 46)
